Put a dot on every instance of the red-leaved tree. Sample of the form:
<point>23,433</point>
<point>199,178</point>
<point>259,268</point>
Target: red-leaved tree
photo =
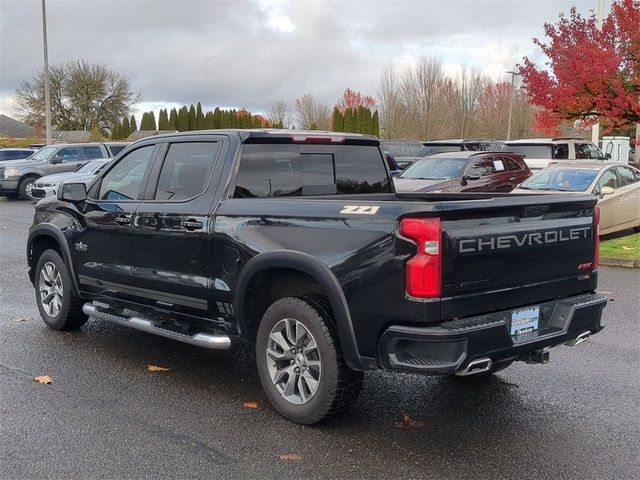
<point>592,75</point>
<point>353,99</point>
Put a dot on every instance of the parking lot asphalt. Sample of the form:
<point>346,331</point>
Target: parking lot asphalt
<point>106,416</point>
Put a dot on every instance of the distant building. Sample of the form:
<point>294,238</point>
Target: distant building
<point>12,128</point>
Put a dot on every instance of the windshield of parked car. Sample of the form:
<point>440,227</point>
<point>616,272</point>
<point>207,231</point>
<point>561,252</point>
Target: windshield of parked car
<point>561,179</point>
<point>531,151</point>
<point>433,149</point>
<point>91,167</point>
<point>43,154</point>
<point>435,168</point>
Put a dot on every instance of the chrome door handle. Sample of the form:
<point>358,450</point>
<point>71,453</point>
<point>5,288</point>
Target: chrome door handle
<point>192,224</point>
<point>123,220</point>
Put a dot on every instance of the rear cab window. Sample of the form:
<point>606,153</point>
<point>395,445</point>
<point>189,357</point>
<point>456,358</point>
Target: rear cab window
<point>541,151</point>
<point>280,170</point>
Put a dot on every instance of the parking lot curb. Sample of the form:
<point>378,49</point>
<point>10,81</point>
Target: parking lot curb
<point>619,262</point>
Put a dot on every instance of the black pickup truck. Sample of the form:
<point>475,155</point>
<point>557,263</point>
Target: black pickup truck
<point>296,242</point>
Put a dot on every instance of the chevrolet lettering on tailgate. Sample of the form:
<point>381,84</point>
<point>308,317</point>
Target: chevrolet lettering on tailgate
<point>528,239</point>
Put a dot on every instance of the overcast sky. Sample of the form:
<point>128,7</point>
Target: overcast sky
<point>246,53</point>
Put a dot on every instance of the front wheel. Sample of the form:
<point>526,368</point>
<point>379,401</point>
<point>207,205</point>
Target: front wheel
<point>25,187</point>
<point>59,307</point>
<point>300,362</point>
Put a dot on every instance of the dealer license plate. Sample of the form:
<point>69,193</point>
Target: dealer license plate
<point>525,320</point>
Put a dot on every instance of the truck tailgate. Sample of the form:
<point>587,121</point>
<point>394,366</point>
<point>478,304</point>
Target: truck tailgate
<point>513,256</point>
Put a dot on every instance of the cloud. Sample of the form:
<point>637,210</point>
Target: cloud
<point>246,53</point>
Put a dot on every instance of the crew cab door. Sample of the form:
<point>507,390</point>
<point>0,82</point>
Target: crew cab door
<point>103,252</point>
<point>67,159</point>
<point>171,231</point>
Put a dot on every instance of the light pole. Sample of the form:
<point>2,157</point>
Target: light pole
<point>513,89</point>
<point>47,101</point>
<point>595,128</point>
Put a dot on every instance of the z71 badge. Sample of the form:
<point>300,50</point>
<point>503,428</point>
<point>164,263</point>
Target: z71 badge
<point>360,209</point>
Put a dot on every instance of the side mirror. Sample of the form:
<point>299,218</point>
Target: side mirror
<point>472,176</point>
<point>72,192</point>
<point>607,191</point>
<point>56,160</point>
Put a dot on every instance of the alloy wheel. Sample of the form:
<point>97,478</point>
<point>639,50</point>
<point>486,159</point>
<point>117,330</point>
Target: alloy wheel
<point>293,361</point>
<point>51,289</point>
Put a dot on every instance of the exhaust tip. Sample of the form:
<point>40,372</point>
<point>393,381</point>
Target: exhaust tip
<point>583,337</point>
<point>480,365</point>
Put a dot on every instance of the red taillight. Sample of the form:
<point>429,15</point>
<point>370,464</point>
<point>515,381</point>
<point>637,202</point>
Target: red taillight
<point>596,241</point>
<point>423,271</point>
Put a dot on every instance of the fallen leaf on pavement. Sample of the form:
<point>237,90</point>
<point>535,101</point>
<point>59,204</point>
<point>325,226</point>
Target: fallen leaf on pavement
<point>408,423</point>
<point>155,368</point>
<point>45,379</point>
<point>253,405</point>
<point>290,457</point>
<point>21,319</point>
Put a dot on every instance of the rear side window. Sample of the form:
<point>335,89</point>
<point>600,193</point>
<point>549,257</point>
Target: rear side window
<point>277,170</point>
<point>627,176</point>
<point>561,151</point>
<point>92,152</point>
<point>186,170</point>
<point>512,164</point>
<point>532,151</point>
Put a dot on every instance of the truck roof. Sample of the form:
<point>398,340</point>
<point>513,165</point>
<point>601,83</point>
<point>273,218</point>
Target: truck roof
<point>296,136</point>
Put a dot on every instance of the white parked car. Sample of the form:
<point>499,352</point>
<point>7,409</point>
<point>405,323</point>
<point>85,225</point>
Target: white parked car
<point>539,153</point>
<point>47,186</point>
<point>616,186</point>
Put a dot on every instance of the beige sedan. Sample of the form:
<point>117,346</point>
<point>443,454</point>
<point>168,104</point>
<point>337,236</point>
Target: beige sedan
<point>617,187</point>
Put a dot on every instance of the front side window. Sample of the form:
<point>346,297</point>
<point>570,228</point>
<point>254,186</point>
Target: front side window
<point>608,179</point>
<point>186,170</point>
<point>479,167</point>
<point>43,154</point>
<point>277,170</point>
<point>124,180</point>
<point>68,154</point>
<point>594,152</point>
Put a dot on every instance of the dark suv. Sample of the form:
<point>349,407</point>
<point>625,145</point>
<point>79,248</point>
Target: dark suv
<point>464,172</point>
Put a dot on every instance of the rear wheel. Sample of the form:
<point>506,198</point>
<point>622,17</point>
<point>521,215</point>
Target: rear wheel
<point>59,307</point>
<point>300,362</point>
<point>25,187</point>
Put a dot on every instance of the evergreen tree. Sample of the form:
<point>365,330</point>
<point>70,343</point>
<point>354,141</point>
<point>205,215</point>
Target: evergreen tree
<point>133,126</point>
<point>337,120</point>
<point>360,119</point>
<point>209,121</point>
<point>116,132</point>
<point>217,118</point>
<point>183,119</point>
<point>144,121</point>
<point>173,119</point>
<point>163,120</point>
<point>375,124</point>
<point>125,130</point>
<point>192,117</point>
<point>366,120</point>
<point>199,117</point>
<point>348,120</point>
<point>152,121</point>
<point>313,126</point>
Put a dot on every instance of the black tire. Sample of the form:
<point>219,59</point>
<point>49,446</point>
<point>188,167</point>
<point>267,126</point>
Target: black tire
<point>338,386</point>
<point>636,229</point>
<point>23,187</point>
<point>69,315</point>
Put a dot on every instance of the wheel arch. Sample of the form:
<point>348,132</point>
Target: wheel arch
<point>305,265</point>
<point>46,236</point>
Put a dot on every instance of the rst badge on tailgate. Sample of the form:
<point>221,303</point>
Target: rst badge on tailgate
<point>360,209</point>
